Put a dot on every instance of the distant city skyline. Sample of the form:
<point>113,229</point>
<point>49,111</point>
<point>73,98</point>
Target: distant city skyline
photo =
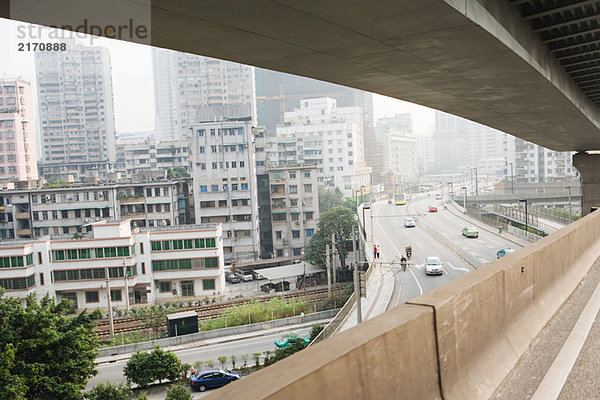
<point>133,83</point>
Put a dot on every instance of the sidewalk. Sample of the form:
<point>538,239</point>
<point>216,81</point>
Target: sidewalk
<point>563,362</point>
<point>380,288</point>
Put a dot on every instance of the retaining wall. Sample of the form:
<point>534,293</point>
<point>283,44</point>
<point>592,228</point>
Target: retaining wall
<point>460,340</point>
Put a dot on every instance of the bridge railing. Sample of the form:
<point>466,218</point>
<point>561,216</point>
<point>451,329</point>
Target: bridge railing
<point>458,341</point>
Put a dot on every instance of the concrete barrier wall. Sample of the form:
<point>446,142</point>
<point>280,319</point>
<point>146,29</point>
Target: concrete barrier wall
<point>235,330</point>
<point>487,319</point>
<point>392,356</point>
<point>472,331</point>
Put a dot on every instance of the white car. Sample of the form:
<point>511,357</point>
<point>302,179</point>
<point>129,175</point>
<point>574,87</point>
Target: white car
<point>245,275</point>
<point>409,223</point>
<point>438,196</point>
<point>433,266</point>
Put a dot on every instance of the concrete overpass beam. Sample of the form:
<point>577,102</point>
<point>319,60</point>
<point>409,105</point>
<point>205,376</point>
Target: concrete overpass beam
<point>588,166</point>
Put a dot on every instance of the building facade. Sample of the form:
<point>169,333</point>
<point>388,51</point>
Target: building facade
<point>140,266</point>
<point>294,208</point>
<point>330,137</point>
<point>76,109</point>
<point>18,136</point>
<point>224,176</point>
<point>534,163</point>
<point>72,210</point>
<point>190,89</point>
<point>151,157</point>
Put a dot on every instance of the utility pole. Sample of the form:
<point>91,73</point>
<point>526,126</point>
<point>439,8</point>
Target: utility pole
<point>356,279</point>
<point>333,252</point>
<point>327,262</point>
<point>512,178</point>
<point>126,278</point>
<point>371,198</point>
<point>110,315</point>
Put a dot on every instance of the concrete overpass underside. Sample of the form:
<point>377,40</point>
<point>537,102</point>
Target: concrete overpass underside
<point>512,65</point>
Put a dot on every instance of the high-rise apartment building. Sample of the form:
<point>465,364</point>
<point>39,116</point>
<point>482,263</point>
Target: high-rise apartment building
<point>278,92</point>
<point>534,163</point>
<point>76,105</point>
<point>330,137</point>
<point>224,176</point>
<point>191,89</point>
<point>18,153</point>
<point>397,147</point>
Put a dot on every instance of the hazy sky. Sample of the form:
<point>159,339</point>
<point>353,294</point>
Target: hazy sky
<point>133,88</point>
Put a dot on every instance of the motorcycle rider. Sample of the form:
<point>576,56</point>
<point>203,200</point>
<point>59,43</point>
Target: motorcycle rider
<point>403,262</point>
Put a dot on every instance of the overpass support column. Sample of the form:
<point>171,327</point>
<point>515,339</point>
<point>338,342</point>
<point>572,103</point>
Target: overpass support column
<point>588,166</point>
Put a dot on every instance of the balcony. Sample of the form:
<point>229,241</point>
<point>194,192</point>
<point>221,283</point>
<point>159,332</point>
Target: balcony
<point>22,215</point>
<point>24,232</point>
<point>132,200</point>
<point>133,215</point>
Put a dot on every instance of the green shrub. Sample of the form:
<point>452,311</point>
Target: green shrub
<point>178,392</point>
<point>315,330</point>
<point>145,368</point>
<point>109,391</point>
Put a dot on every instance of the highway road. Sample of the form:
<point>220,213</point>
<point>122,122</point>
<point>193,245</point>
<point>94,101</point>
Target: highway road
<point>393,237</point>
<point>113,372</point>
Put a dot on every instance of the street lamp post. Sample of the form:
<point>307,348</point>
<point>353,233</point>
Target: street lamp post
<point>512,178</point>
<point>476,183</point>
<point>526,218</point>
<point>451,190</point>
<point>570,212</point>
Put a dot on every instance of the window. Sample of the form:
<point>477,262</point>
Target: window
<point>201,132</point>
<point>214,188</point>
<point>203,188</point>
<point>29,259</point>
<point>177,244</point>
<point>293,189</point>
<point>244,186</point>
<point>164,287</point>
<point>310,232</point>
<point>41,279</point>
<point>308,188</point>
<point>187,288</point>
<point>233,164</point>
<point>143,268</point>
<point>277,234</point>
<point>201,149</point>
<point>92,297</point>
<point>214,165</point>
<point>308,215</point>
<point>39,257</point>
<point>208,284</point>
<point>115,295</point>
<point>307,174</point>
<point>141,248</point>
<point>213,149</point>
<point>295,234</point>
<point>242,165</point>
<point>292,174</point>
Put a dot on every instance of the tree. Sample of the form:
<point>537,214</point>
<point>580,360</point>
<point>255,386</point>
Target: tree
<point>329,199</point>
<point>109,391</point>
<point>222,360</point>
<point>145,368</point>
<point>178,392</point>
<point>339,221</point>
<point>44,353</point>
<point>177,172</point>
<point>315,330</point>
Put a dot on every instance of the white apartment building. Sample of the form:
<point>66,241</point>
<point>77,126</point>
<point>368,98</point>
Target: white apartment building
<point>72,210</point>
<point>225,191</point>
<point>331,137</point>
<point>18,153</point>
<point>143,266</point>
<point>190,89</point>
<point>294,208</point>
<point>398,147</point>
<point>76,110</point>
<point>151,156</point>
<point>534,163</point>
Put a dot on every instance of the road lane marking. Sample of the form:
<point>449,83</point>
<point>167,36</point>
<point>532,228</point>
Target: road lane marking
<point>457,268</point>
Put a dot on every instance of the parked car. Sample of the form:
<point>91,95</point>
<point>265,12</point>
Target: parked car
<point>409,222</point>
<point>278,287</point>
<point>257,276</point>
<point>232,278</point>
<point>470,231</point>
<point>433,209</point>
<point>433,266</point>
<point>212,378</point>
<point>503,252</point>
<point>245,275</point>
<point>288,340</point>
<point>438,196</point>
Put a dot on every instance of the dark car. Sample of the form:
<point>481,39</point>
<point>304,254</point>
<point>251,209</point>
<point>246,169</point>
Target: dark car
<point>212,378</point>
<point>232,278</point>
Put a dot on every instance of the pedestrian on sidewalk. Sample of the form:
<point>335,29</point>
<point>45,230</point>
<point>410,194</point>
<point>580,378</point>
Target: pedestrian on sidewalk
<point>377,251</point>
<point>374,251</point>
